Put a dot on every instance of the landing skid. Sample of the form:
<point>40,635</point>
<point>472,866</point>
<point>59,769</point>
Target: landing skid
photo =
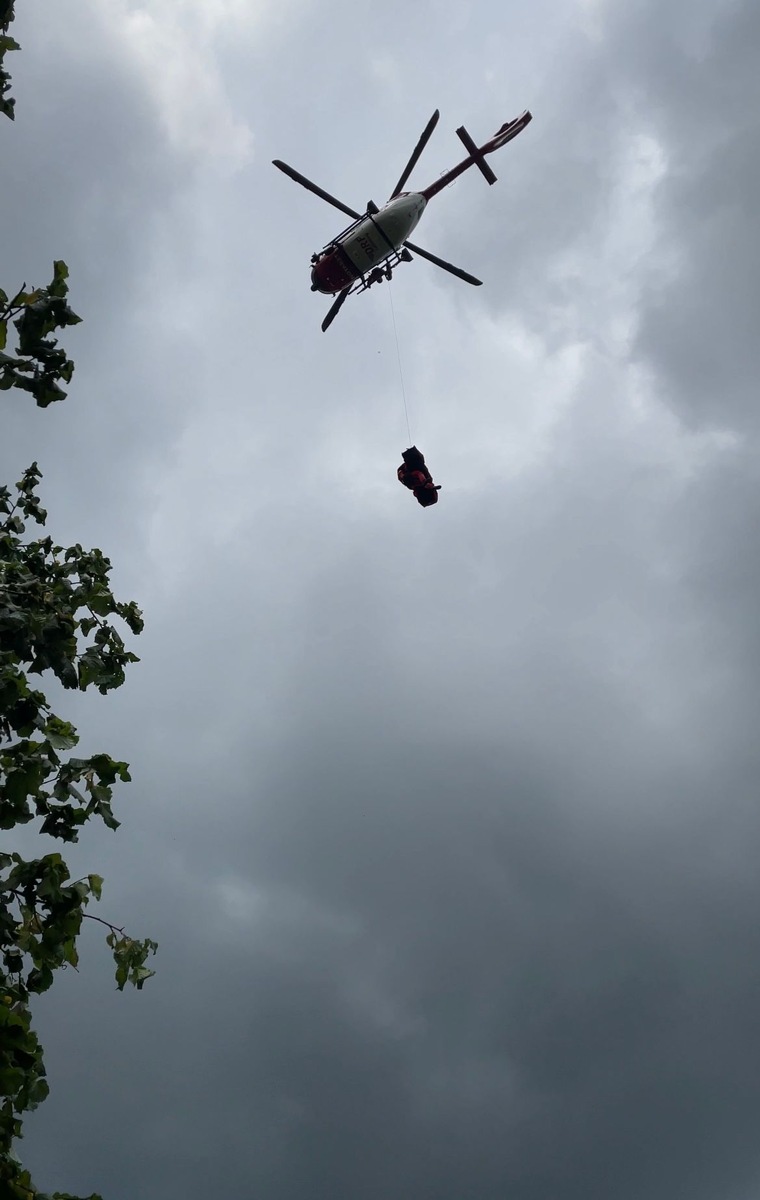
<point>381,272</point>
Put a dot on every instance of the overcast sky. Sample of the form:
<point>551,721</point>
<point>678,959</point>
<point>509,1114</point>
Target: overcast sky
<point>446,821</point>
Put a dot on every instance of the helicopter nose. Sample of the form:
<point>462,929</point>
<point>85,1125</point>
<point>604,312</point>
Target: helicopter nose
<point>329,274</point>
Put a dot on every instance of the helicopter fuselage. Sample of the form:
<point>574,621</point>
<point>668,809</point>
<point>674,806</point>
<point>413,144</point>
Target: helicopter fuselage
<point>366,243</point>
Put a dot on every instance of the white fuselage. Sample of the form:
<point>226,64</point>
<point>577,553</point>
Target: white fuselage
<point>376,236</point>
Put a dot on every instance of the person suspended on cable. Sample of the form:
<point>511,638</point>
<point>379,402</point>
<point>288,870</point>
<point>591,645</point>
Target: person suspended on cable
<point>414,474</point>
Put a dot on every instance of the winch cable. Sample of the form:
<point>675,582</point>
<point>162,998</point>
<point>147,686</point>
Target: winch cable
<point>400,369</point>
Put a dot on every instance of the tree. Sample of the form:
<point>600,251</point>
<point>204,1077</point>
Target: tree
<point>6,43</point>
<point>38,364</point>
<point>57,615</point>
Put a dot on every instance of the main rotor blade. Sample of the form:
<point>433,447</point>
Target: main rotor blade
<point>439,262</point>
<point>332,314</point>
<point>312,187</point>
<point>422,143</point>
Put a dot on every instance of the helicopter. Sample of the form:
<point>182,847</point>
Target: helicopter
<point>366,251</point>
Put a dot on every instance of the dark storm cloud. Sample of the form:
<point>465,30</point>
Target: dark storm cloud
<point>698,329</point>
<point>452,982</point>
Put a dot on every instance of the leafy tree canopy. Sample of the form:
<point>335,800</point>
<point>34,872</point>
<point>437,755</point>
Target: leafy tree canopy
<point>37,364</point>
<point>58,616</point>
<point>6,43</point>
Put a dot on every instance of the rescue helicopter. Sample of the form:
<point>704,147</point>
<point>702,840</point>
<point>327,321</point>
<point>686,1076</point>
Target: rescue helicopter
<point>366,251</point>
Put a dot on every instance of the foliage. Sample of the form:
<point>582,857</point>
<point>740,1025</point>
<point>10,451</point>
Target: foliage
<point>38,364</point>
<point>56,607</point>
<point>6,43</point>
<point>56,615</point>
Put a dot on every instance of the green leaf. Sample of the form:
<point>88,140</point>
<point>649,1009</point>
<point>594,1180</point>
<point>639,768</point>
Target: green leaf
<point>96,885</point>
<point>46,392</point>
<point>22,299</point>
<point>104,810</point>
<point>68,675</point>
<point>7,106</point>
<point>60,274</point>
<point>61,734</point>
<point>40,979</point>
<point>11,1079</point>
<point>3,334</point>
<point>38,1093</point>
<point>70,953</point>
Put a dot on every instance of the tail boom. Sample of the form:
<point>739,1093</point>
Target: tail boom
<point>477,154</point>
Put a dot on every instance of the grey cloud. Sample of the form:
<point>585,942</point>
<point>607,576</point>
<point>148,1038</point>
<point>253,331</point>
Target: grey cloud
<point>554,1014</point>
<point>698,330</point>
<point>445,826</point>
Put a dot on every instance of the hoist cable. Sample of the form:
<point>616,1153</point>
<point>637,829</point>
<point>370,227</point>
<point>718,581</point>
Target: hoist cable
<point>400,370</point>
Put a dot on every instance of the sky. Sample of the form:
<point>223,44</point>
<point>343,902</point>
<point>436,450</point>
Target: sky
<point>445,820</point>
